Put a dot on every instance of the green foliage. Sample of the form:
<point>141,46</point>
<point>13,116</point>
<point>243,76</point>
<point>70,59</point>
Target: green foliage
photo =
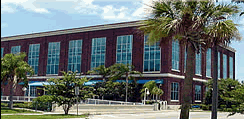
<point>153,89</point>
<point>43,102</point>
<point>63,90</point>
<point>231,95</point>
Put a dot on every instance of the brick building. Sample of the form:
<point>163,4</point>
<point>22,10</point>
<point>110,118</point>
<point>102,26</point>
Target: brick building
<point>81,49</point>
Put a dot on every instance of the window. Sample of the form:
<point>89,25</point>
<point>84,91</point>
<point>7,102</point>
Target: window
<point>175,54</point>
<point>124,49</point>
<point>15,49</point>
<point>231,67</point>
<point>174,91</point>
<point>98,52</point>
<point>33,56</point>
<point>224,66</point>
<point>2,49</point>
<point>75,51</point>
<point>151,56</point>
<point>53,57</point>
<point>185,60</point>
<point>218,65</point>
<point>32,91</point>
<point>208,62</point>
<point>198,63</point>
<point>197,92</point>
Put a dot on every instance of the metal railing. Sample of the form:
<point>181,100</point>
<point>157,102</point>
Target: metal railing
<point>18,98</point>
<point>109,102</point>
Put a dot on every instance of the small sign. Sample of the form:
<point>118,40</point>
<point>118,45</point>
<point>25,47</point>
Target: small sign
<point>77,90</point>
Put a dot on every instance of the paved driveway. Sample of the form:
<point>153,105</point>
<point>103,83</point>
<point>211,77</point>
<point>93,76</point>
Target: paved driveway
<point>165,115</point>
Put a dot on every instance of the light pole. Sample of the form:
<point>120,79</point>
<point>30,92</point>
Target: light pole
<point>146,92</point>
<point>24,89</point>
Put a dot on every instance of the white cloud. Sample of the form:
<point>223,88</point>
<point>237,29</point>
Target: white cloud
<point>144,10</point>
<point>111,13</point>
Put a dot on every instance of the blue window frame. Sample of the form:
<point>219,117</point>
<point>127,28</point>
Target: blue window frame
<point>231,67</point>
<point>224,66</point>
<point>152,56</point>
<point>53,57</point>
<point>175,54</point>
<point>124,49</point>
<point>98,52</point>
<point>218,65</point>
<point>208,62</point>
<point>33,57</point>
<point>2,49</point>
<point>198,92</point>
<point>198,69</point>
<point>174,91</point>
<point>75,51</point>
<point>15,49</point>
<point>32,91</point>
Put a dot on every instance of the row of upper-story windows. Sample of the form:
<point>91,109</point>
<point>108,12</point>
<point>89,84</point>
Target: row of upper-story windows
<point>198,63</point>
<point>151,63</point>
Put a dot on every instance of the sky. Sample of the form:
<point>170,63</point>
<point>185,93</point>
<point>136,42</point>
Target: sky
<point>20,17</point>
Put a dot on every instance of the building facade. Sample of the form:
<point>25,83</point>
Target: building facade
<point>82,49</point>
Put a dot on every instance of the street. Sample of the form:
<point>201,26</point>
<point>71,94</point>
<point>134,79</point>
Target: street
<point>165,115</point>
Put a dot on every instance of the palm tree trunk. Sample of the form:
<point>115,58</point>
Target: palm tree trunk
<point>187,88</point>
<point>11,96</point>
<point>215,85</point>
<point>126,88</point>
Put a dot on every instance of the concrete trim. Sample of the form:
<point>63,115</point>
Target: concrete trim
<point>134,75</point>
<point>74,30</point>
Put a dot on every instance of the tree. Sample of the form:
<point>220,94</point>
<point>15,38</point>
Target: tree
<point>153,89</point>
<point>13,70</point>
<point>105,72</point>
<point>63,90</point>
<point>197,25</point>
<point>121,69</point>
<point>231,95</point>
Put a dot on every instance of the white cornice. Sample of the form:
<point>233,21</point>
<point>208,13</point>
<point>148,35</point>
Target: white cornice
<point>74,30</point>
<point>134,75</point>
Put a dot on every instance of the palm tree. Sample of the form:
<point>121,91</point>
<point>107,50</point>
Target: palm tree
<point>105,72</point>
<point>13,70</point>
<point>197,24</point>
<point>153,89</point>
<point>122,69</point>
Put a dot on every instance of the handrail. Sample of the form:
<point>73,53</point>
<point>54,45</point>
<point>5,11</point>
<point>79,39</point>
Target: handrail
<point>18,98</point>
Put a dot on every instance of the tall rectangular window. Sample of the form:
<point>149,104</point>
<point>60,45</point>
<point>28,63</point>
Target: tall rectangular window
<point>53,57</point>
<point>174,91</point>
<point>33,56</point>
<point>75,51</point>
<point>231,67</point>
<point>224,66</point>
<point>15,49</point>
<point>218,65</point>
<point>2,49</point>
<point>124,49</point>
<point>32,91</point>
<point>197,92</point>
<point>198,63</point>
<point>208,62</point>
<point>151,56</point>
<point>185,59</point>
<point>98,52</point>
<point>175,54</point>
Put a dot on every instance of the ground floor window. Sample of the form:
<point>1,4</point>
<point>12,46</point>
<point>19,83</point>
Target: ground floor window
<point>197,92</point>
<point>174,91</point>
<point>32,91</point>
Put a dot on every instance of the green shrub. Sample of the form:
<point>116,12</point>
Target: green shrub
<point>4,104</point>
<point>43,103</point>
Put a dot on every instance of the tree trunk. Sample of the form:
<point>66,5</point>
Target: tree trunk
<point>126,88</point>
<point>187,88</point>
<point>215,85</point>
<point>11,96</point>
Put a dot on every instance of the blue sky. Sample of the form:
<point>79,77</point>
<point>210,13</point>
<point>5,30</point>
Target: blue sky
<point>32,16</point>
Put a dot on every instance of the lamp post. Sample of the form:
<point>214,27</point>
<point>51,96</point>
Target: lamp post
<point>146,92</point>
<point>24,89</point>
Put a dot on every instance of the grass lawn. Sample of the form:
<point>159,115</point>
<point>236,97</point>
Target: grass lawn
<point>6,110</point>
<point>53,116</point>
